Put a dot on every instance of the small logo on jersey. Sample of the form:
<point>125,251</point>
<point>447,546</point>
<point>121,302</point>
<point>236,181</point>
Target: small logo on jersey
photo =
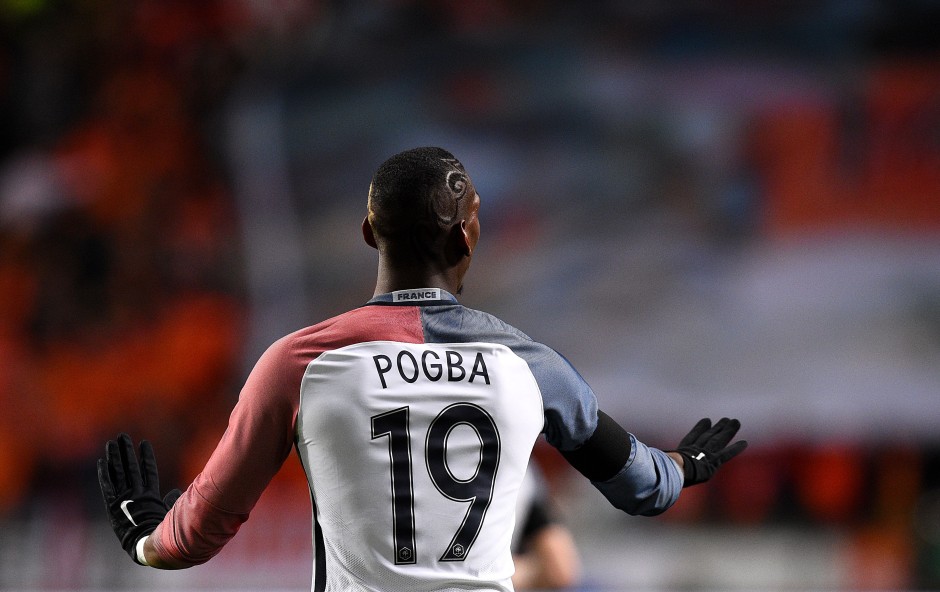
<point>458,550</point>
<point>127,512</point>
<point>404,553</point>
<point>416,295</point>
<point>699,456</point>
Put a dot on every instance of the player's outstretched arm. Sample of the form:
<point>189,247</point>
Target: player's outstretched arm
<point>640,479</point>
<point>706,447</point>
<point>634,477</point>
<point>131,492</point>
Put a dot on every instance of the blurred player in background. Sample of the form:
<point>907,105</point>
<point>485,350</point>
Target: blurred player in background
<point>543,549</point>
<point>414,419</point>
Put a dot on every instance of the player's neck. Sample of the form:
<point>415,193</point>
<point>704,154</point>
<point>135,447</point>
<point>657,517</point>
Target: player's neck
<point>391,279</point>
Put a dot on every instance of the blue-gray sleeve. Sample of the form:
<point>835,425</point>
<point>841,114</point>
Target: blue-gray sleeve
<point>647,485</point>
<point>569,404</point>
<point>649,481</point>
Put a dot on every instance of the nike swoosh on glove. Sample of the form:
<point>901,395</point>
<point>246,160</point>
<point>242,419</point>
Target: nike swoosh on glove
<point>131,491</point>
<point>705,448</point>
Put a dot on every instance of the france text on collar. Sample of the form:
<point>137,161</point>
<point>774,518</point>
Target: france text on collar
<point>416,295</point>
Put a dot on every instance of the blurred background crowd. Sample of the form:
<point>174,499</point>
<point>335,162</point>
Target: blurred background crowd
<point>722,209</point>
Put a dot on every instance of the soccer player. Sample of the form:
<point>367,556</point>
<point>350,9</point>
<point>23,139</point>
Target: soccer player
<point>544,552</point>
<point>413,416</point>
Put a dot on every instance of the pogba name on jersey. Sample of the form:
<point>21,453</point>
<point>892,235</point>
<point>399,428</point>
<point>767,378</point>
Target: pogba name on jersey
<point>430,365</point>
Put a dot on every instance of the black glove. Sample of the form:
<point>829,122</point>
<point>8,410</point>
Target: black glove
<point>705,448</point>
<point>132,492</point>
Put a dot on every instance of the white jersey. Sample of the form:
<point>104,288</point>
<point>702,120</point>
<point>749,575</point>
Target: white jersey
<point>414,418</point>
<point>432,442</point>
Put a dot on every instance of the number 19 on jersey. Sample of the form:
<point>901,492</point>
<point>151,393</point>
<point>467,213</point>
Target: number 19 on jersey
<point>477,489</point>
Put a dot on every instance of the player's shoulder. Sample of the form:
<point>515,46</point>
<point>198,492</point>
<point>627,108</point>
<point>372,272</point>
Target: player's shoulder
<point>362,324</point>
<point>498,323</point>
<point>308,332</point>
<point>542,358</point>
<point>456,323</point>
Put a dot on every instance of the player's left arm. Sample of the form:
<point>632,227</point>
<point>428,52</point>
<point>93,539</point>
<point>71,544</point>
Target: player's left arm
<point>207,515</point>
<point>259,437</point>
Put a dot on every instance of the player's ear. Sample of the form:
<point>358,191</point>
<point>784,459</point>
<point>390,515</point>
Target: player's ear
<point>367,233</point>
<point>459,244</point>
<point>466,243</point>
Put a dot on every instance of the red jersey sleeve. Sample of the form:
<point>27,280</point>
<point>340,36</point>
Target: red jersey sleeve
<point>259,436</point>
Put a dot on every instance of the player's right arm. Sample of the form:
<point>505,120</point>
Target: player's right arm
<point>640,479</point>
<point>634,477</point>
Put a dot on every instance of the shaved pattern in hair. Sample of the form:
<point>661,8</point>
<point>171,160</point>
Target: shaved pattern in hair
<point>458,183</point>
<point>415,196</point>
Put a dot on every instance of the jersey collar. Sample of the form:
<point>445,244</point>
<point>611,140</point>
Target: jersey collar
<point>416,297</point>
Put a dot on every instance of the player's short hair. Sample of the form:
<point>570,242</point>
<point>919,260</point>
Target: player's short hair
<point>415,197</point>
